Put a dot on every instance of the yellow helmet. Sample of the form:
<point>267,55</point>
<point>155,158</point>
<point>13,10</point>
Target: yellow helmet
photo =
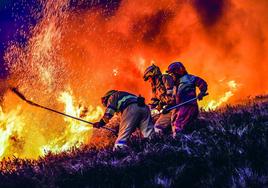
<point>151,71</point>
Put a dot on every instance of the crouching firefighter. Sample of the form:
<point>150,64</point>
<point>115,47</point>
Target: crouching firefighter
<point>184,90</point>
<point>162,88</point>
<point>134,114</point>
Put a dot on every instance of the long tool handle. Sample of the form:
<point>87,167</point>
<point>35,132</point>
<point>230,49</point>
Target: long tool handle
<point>176,106</point>
<point>183,103</point>
<point>179,105</point>
<point>20,95</point>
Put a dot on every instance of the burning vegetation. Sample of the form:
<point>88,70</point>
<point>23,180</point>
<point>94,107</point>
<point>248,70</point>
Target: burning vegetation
<point>79,49</point>
<point>228,150</point>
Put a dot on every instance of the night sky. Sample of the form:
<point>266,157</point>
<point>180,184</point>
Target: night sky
<point>15,16</point>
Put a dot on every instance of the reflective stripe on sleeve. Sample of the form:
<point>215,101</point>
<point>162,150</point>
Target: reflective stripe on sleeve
<point>124,99</point>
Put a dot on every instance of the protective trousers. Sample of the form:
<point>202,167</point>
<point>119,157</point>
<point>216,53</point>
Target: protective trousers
<point>163,123</point>
<point>183,117</point>
<point>134,117</point>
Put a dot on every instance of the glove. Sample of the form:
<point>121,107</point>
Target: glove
<point>96,125</point>
<point>99,124</point>
<point>200,96</point>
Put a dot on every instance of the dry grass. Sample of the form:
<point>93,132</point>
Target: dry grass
<point>228,149</point>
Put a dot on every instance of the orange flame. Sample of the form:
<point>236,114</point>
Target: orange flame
<point>213,104</point>
<point>76,132</point>
<point>80,54</point>
<point>19,137</point>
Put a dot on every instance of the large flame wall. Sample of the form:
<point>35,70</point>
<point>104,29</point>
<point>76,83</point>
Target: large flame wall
<point>84,48</point>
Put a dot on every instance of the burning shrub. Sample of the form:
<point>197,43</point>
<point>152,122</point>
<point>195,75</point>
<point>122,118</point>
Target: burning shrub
<point>230,150</point>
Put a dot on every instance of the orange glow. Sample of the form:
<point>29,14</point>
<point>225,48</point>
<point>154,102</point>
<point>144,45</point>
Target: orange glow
<point>213,104</point>
<point>76,133</point>
<point>27,132</point>
<point>74,56</point>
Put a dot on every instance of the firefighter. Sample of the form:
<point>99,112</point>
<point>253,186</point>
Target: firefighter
<point>162,88</point>
<point>185,89</point>
<point>134,114</point>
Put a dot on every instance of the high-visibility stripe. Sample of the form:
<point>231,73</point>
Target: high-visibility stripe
<point>124,99</point>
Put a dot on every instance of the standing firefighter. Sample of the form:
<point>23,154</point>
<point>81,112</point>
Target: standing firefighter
<point>184,90</point>
<point>162,88</point>
<point>134,114</point>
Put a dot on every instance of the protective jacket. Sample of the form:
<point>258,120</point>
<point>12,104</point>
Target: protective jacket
<point>185,88</point>
<point>134,114</point>
<point>118,102</point>
<point>162,88</point>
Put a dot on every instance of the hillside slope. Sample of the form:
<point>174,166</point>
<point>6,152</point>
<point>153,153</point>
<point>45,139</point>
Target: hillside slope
<point>230,148</point>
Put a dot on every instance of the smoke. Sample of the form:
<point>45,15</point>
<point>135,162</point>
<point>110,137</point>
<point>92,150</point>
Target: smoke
<point>81,44</point>
<point>85,48</point>
<point>210,11</point>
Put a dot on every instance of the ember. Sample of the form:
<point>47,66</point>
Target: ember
<point>73,55</point>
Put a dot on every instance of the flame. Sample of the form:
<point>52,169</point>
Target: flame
<point>13,130</point>
<point>11,126</point>
<point>76,52</point>
<point>76,132</point>
<point>214,104</point>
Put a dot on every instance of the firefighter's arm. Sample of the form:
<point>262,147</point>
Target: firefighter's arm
<point>109,113</point>
<point>202,85</point>
<point>169,84</point>
<point>99,124</point>
<point>167,97</point>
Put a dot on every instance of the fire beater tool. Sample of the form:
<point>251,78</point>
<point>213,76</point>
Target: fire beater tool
<point>20,95</point>
<point>166,110</point>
